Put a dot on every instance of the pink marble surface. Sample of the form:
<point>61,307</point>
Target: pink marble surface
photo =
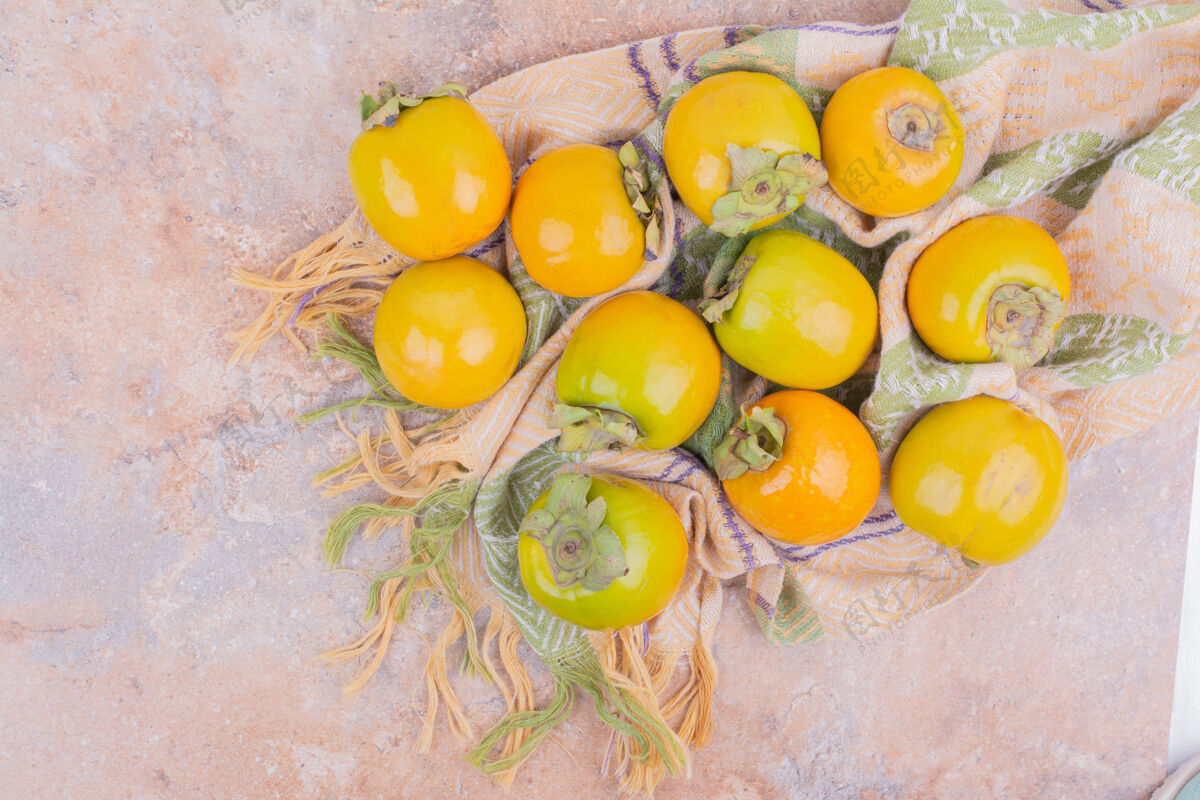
<point>162,595</point>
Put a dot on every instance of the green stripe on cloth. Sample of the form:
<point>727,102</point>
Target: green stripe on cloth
<point>944,39</point>
<point>1170,154</point>
<point>1042,166</point>
<point>910,377</point>
<point>794,619</point>
<point>1091,349</point>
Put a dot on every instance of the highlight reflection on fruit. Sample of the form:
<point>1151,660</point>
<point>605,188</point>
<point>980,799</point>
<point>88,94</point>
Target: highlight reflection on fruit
<point>993,288</point>
<point>893,144</point>
<point>601,552</point>
<point>980,476</point>
<point>429,174</point>
<point>640,370</point>
<point>795,311</point>
<point>449,333</point>
<point>800,468</point>
<point>574,224</point>
<point>742,150</point>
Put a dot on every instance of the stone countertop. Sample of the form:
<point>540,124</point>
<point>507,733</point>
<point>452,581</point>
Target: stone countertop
<point>162,594</point>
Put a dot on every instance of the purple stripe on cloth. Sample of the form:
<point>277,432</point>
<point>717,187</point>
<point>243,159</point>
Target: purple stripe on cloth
<point>891,514</point>
<point>1092,6</point>
<point>692,469</point>
<point>1117,4</point>
<point>693,466</point>
<point>767,608</point>
<point>612,739</point>
<point>731,35</point>
<point>676,278</point>
<point>667,45</point>
<point>650,153</point>
<point>739,537</point>
<point>490,243</point>
<point>816,26</point>
<point>676,269</point>
<point>726,510</point>
<point>305,300</point>
<point>862,537</point>
<point>675,462</point>
<point>689,72</point>
<point>635,63</point>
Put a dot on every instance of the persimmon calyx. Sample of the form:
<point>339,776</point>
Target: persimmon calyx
<point>1021,322</point>
<point>914,127</point>
<point>589,428</point>
<point>754,444</point>
<point>640,191</point>
<point>762,184</point>
<point>384,108</point>
<point>716,307</point>
<point>580,548</point>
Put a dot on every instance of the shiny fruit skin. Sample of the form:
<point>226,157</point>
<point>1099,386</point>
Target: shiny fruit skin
<point>824,484</point>
<point>647,356</point>
<point>804,316</point>
<point>435,183</point>
<point>449,333</point>
<point>573,224</point>
<point>980,476</point>
<point>749,109</point>
<point>656,551</point>
<point>867,167</point>
<point>952,281</point>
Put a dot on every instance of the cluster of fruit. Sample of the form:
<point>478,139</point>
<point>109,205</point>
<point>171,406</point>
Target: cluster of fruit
<point>741,151</point>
